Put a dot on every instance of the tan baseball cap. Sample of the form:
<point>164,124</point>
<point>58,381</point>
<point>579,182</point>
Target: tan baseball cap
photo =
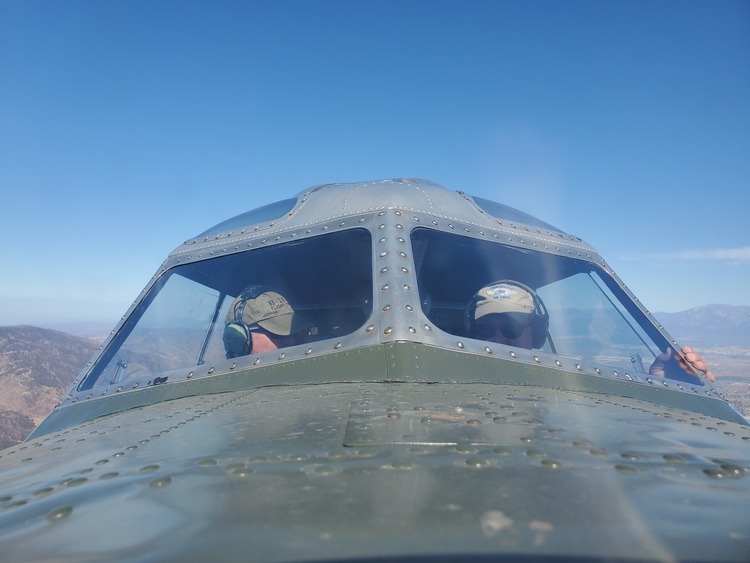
<point>503,298</point>
<point>272,312</point>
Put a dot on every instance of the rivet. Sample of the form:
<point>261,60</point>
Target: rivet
<point>512,354</point>
<point>308,351</point>
<point>191,374</point>
<point>476,462</point>
<point>386,287</point>
<point>650,380</point>
<point>551,463</point>
<point>381,226</point>
<point>386,308</point>
<point>388,330</point>
<point>211,369</point>
<point>60,513</point>
<point>597,370</point>
<point>733,470</point>
<point>401,240</point>
<point>233,366</point>
<point>558,363</point>
<point>460,345</point>
<point>370,328</point>
<point>537,360</point>
<point>337,345</point>
<point>402,254</point>
<point>382,240</point>
<point>488,350</point>
<point>409,308</point>
<point>406,287</point>
<point>384,270</point>
<point>405,270</point>
<point>626,469</point>
<point>383,254</point>
<point>401,465</point>
<point>412,330</point>
<point>282,355</point>
<point>428,328</point>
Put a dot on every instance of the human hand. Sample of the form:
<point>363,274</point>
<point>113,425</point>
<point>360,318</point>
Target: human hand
<point>667,361</point>
<point>695,360</point>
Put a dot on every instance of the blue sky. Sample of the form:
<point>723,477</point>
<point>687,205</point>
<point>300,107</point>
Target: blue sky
<point>127,127</point>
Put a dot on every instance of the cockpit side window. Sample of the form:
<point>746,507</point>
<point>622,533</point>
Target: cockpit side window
<point>181,321</point>
<point>525,298</point>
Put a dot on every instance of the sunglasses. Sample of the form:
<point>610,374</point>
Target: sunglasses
<point>509,325</point>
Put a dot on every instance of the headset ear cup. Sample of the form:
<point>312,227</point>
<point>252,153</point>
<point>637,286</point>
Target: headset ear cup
<point>237,341</point>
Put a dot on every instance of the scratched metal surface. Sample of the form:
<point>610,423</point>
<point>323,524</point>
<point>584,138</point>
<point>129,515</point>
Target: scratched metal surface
<point>377,470</point>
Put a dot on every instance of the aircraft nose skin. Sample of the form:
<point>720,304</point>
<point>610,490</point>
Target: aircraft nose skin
<point>358,470</point>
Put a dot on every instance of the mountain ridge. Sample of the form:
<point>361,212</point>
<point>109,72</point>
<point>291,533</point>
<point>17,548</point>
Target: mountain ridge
<point>710,325</point>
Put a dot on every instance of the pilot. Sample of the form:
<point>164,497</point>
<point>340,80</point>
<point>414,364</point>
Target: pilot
<point>261,320</point>
<point>509,312</point>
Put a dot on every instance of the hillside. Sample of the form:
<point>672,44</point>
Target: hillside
<point>36,367</point>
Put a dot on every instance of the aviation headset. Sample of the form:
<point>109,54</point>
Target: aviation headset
<point>539,321</point>
<point>237,339</point>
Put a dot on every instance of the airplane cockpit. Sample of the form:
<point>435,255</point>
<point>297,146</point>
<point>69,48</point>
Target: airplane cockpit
<point>383,371</point>
<point>382,263</point>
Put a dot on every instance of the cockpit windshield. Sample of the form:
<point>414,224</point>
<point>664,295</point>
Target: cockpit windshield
<point>531,299</point>
<point>185,318</point>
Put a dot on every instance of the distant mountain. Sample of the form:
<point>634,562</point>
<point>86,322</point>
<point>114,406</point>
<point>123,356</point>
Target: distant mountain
<point>90,331</point>
<point>709,325</point>
<point>36,367</point>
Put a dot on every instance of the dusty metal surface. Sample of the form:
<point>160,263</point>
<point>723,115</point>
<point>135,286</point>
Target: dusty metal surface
<point>375,470</point>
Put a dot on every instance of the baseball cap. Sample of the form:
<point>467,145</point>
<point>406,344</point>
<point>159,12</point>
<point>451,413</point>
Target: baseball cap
<point>503,297</point>
<point>272,312</point>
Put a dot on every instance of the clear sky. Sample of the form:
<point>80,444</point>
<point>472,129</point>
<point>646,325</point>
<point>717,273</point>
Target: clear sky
<point>128,126</point>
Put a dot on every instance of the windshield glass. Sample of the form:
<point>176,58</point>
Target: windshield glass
<point>529,299</point>
<point>272,297</point>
